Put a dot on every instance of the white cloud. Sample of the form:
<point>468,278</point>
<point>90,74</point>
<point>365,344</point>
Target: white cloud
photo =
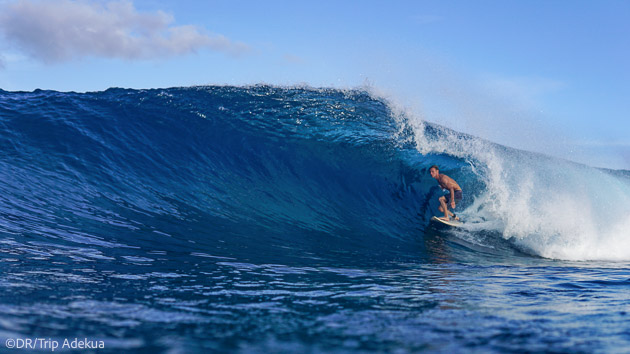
<point>62,30</point>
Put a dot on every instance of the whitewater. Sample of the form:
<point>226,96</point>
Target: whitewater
<point>292,219</point>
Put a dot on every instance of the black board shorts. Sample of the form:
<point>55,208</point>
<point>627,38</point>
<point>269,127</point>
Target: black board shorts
<point>459,195</point>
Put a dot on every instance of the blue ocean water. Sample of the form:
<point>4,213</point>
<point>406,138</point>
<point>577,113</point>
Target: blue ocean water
<point>269,219</point>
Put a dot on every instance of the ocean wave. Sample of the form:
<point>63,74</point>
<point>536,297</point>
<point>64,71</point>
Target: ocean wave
<point>254,170</point>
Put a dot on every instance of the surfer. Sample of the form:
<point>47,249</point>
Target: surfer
<point>455,193</point>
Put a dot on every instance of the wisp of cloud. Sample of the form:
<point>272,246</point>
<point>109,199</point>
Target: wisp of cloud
<point>62,30</point>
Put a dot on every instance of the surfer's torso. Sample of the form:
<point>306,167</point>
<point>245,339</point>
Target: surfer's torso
<point>447,182</point>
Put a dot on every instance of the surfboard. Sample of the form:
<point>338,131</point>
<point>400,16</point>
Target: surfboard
<point>451,222</point>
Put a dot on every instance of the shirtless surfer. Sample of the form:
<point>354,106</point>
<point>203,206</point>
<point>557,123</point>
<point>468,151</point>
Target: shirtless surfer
<point>455,193</point>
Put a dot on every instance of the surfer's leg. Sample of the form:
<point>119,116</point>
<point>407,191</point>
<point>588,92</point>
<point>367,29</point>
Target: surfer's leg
<point>458,198</point>
<point>450,213</point>
<point>444,208</point>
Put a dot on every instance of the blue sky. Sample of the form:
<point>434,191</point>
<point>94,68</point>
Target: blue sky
<point>547,76</point>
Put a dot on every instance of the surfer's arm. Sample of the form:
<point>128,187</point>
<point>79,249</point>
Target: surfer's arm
<point>452,196</point>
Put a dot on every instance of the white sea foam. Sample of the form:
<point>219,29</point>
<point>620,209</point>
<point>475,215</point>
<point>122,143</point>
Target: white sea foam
<point>551,207</point>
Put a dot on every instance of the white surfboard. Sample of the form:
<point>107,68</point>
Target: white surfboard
<point>451,222</point>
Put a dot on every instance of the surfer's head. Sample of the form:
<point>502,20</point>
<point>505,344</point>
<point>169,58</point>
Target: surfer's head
<point>434,171</point>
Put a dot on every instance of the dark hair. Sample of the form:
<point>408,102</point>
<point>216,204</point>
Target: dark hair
<point>434,166</point>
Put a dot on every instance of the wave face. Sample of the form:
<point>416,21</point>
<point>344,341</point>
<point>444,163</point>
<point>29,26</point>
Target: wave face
<point>254,172</point>
<point>265,219</point>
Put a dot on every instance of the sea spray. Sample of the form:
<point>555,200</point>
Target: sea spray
<point>548,206</point>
